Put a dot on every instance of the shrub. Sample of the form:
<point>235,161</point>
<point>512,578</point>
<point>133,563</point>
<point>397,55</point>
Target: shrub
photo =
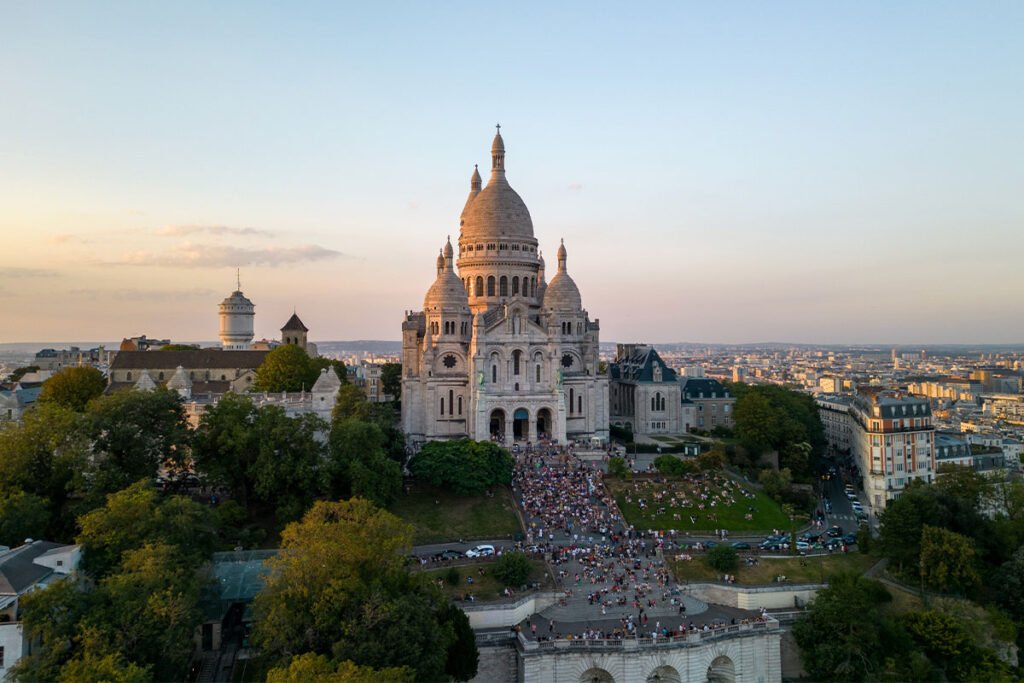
<point>617,468</point>
<point>512,569</point>
<point>723,558</point>
<point>452,576</point>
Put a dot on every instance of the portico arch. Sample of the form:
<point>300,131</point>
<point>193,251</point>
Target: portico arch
<point>520,424</point>
<point>722,670</point>
<point>664,674</point>
<point>544,423</point>
<point>498,423</point>
<point>596,675</point>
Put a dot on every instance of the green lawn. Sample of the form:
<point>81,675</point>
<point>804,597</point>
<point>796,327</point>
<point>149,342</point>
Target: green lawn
<point>439,516</point>
<point>796,569</point>
<point>485,586</point>
<point>765,516</point>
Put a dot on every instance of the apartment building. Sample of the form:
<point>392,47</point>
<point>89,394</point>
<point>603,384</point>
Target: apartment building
<point>893,443</point>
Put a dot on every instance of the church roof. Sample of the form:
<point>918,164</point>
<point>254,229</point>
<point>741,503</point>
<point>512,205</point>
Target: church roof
<point>497,211</point>
<point>639,366</point>
<point>562,294</point>
<point>294,324</point>
<point>199,359</point>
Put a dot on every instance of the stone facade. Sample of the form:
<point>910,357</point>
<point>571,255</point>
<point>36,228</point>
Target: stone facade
<point>645,394</point>
<point>741,653</point>
<point>712,403</point>
<point>497,352</point>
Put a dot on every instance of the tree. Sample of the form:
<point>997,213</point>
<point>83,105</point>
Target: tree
<point>73,387</point>
<point>775,483</point>
<point>512,569</point>
<point>723,558</point>
<point>110,668</point>
<point>22,515</point>
<point>224,445</point>
<point>465,466</point>
<point>1010,579</point>
<point>463,657</point>
<point>179,347</point>
<point>617,468</point>
<point>134,434</point>
<point>847,610</point>
<point>670,465</point>
<point>391,380</point>
<point>358,464</point>
<point>755,420</point>
<point>136,516</point>
<point>338,588</point>
<point>286,368</point>
<point>286,471</point>
<point>947,560</point>
<point>50,617</point>
<point>313,668</point>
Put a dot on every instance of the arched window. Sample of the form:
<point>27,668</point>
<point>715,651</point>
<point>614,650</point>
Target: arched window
<point>538,373</point>
<point>479,286</point>
<point>442,405</point>
<point>503,286</point>
<point>460,405</point>
<point>516,355</point>
<point>572,400</point>
<point>579,407</point>
<point>161,376</point>
<point>451,401</point>
<point>490,286</point>
<point>494,374</point>
<point>128,377</point>
<point>654,403</point>
<point>515,286</point>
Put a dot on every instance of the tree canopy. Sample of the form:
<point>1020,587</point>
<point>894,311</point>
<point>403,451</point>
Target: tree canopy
<point>289,368</point>
<point>391,379</point>
<point>73,387</point>
<point>772,417</point>
<point>338,589</point>
<point>465,467</point>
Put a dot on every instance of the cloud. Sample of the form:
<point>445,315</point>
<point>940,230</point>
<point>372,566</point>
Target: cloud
<point>15,273</point>
<point>182,230</point>
<point>65,238</point>
<point>219,256</point>
<point>122,294</point>
<point>575,187</point>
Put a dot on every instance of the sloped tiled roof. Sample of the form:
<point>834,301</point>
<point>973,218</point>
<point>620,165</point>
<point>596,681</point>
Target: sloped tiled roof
<point>703,387</point>
<point>200,359</point>
<point>18,572</point>
<point>294,324</point>
<point>639,366</point>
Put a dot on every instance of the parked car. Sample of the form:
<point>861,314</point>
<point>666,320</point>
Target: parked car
<point>803,545</point>
<point>708,545</point>
<point>480,551</point>
<point>450,555</point>
<point>741,545</point>
<point>835,531</point>
<point>850,539</point>
<point>833,544</point>
<point>809,537</point>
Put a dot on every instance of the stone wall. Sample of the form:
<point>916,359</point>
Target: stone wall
<point>769,597</point>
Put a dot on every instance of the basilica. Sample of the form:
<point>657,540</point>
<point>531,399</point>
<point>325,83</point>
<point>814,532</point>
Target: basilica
<point>497,351</point>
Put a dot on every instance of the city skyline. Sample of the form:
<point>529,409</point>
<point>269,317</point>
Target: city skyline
<point>800,174</point>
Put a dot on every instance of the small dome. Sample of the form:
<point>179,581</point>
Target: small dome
<point>498,145</point>
<point>447,292</point>
<point>562,294</point>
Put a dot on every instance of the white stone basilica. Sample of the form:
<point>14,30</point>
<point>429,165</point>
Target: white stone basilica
<point>497,352</point>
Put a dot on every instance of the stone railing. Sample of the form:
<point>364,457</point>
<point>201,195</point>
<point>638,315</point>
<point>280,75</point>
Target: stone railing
<point>689,639</point>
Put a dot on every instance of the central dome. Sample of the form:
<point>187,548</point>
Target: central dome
<point>496,211</point>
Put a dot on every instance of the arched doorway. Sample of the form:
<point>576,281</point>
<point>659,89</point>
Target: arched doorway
<point>664,674</point>
<point>498,423</point>
<point>722,670</point>
<point>520,424</point>
<point>543,424</point>
<point>596,675</point>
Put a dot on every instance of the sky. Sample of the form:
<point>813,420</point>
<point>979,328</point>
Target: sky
<point>721,172</point>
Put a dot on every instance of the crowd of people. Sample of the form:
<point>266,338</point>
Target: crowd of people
<point>693,498</point>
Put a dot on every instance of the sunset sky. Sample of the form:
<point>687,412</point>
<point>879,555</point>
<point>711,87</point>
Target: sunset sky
<point>720,172</point>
